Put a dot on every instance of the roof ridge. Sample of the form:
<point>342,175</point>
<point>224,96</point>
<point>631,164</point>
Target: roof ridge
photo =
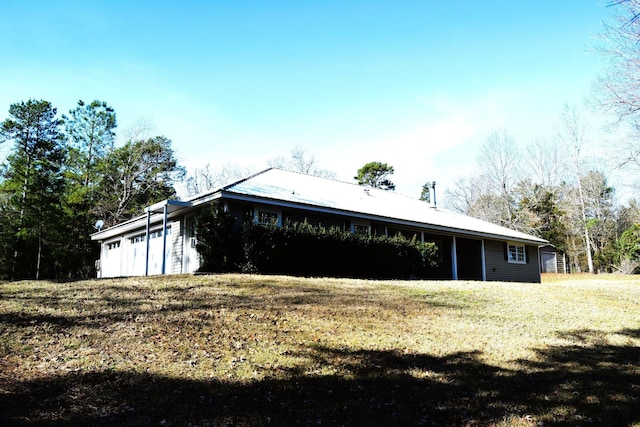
<point>240,181</point>
<point>340,181</point>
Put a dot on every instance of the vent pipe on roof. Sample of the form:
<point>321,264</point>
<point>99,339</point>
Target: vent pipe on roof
<point>432,194</point>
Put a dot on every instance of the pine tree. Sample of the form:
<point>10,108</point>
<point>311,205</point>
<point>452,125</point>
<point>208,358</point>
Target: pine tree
<point>32,187</point>
<point>89,130</point>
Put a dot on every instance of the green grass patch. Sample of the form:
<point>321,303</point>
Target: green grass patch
<point>270,350</point>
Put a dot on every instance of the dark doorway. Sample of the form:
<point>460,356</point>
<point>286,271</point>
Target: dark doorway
<point>444,270</point>
<point>469,257</point>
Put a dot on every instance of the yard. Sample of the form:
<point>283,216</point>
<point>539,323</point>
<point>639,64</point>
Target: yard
<point>265,350</point>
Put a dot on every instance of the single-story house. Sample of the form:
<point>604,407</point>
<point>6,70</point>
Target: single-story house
<point>163,240</point>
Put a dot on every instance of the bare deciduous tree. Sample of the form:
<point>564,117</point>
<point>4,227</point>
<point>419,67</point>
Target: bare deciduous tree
<point>545,161</point>
<point>572,133</point>
<point>301,162</point>
<point>208,178</point>
<point>619,86</point>
<point>500,158</point>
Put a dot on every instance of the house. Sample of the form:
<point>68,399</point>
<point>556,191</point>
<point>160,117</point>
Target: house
<point>163,241</point>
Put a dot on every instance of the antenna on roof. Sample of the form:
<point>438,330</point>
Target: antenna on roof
<point>99,224</point>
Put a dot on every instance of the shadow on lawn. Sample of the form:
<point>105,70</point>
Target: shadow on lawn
<point>568,385</point>
<point>108,304</point>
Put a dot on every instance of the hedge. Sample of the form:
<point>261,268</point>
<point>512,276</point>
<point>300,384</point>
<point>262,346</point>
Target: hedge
<point>303,249</point>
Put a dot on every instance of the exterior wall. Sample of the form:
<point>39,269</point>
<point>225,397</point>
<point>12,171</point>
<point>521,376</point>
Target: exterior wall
<point>190,257</point>
<point>546,254</point>
<point>129,259</point>
<point>111,258</point>
<point>181,256</point>
<point>499,269</point>
<point>174,264</point>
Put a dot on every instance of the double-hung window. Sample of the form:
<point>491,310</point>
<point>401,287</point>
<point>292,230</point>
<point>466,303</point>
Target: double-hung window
<point>267,217</point>
<point>516,253</point>
<point>361,228</point>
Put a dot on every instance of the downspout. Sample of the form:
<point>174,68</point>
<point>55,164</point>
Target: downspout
<point>484,266</point>
<point>164,238</point>
<point>146,262</point>
<point>99,263</point>
<point>454,259</point>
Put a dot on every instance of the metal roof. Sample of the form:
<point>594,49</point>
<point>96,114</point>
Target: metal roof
<point>285,188</point>
<point>280,186</point>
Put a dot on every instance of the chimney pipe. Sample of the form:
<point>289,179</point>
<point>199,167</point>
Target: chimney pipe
<point>432,194</point>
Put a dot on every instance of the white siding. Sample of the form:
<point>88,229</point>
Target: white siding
<point>174,262</point>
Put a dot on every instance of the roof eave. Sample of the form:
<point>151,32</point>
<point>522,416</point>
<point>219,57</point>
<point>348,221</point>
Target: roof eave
<point>371,217</point>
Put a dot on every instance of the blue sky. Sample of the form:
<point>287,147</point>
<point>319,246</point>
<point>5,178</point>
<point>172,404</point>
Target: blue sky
<point>418,85</point>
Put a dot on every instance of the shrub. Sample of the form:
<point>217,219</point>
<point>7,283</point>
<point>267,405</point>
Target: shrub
<point>217,244</point>
<point>304,249</point>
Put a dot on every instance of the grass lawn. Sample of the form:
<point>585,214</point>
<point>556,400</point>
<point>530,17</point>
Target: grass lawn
<point>263,350</point>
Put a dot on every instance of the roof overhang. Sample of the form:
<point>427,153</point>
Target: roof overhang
<point>370,217</point>
<point>171,205</point>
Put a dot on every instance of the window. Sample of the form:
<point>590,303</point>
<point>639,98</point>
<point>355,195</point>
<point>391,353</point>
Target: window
<point>158,233</point>
<point>516,253</point>
<point>113,245</point>
<point>267,217</point>
<point>360,228</point>
<point>138,238</point>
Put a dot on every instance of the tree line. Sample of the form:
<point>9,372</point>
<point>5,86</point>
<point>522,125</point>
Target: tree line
<point>552,190</point>
<point>63,175</point>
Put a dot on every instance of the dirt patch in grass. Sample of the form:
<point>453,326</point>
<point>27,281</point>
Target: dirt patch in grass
<point>266,350</point>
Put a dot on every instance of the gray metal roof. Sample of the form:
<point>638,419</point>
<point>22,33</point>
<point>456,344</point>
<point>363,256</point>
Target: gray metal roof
<point>284,188</point>
<point>280,186</point>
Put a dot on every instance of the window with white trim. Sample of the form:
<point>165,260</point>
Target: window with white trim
<point>113,245</point>
<point>516,253</point>
<point>158,233</point>
<point>154,234</point>
<point>361,228</point>
<point>267,217</point>
<point>138,238</point>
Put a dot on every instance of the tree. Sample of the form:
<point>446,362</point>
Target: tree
<point>499,158</point>
<point>134,176</point>
<point>32,186</point>
<point>600,213</point>
<point>619,86</point>
<point>89,130</point>
<point>208,178</point>
<point>218,249</point>
<point>540,214</point>
<point>572,133</point>
<point>464,195</point>
<point>545,161</point>
<point>375,175</point>
<point>425,194</point>
<point>301,162</point>
<point>629,249</point>
<point>490,195</point>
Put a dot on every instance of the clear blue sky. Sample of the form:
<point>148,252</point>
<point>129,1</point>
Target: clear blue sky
<point>417,84</point>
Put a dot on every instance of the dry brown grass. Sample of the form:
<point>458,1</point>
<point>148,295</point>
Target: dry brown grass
<point>259,350</point>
